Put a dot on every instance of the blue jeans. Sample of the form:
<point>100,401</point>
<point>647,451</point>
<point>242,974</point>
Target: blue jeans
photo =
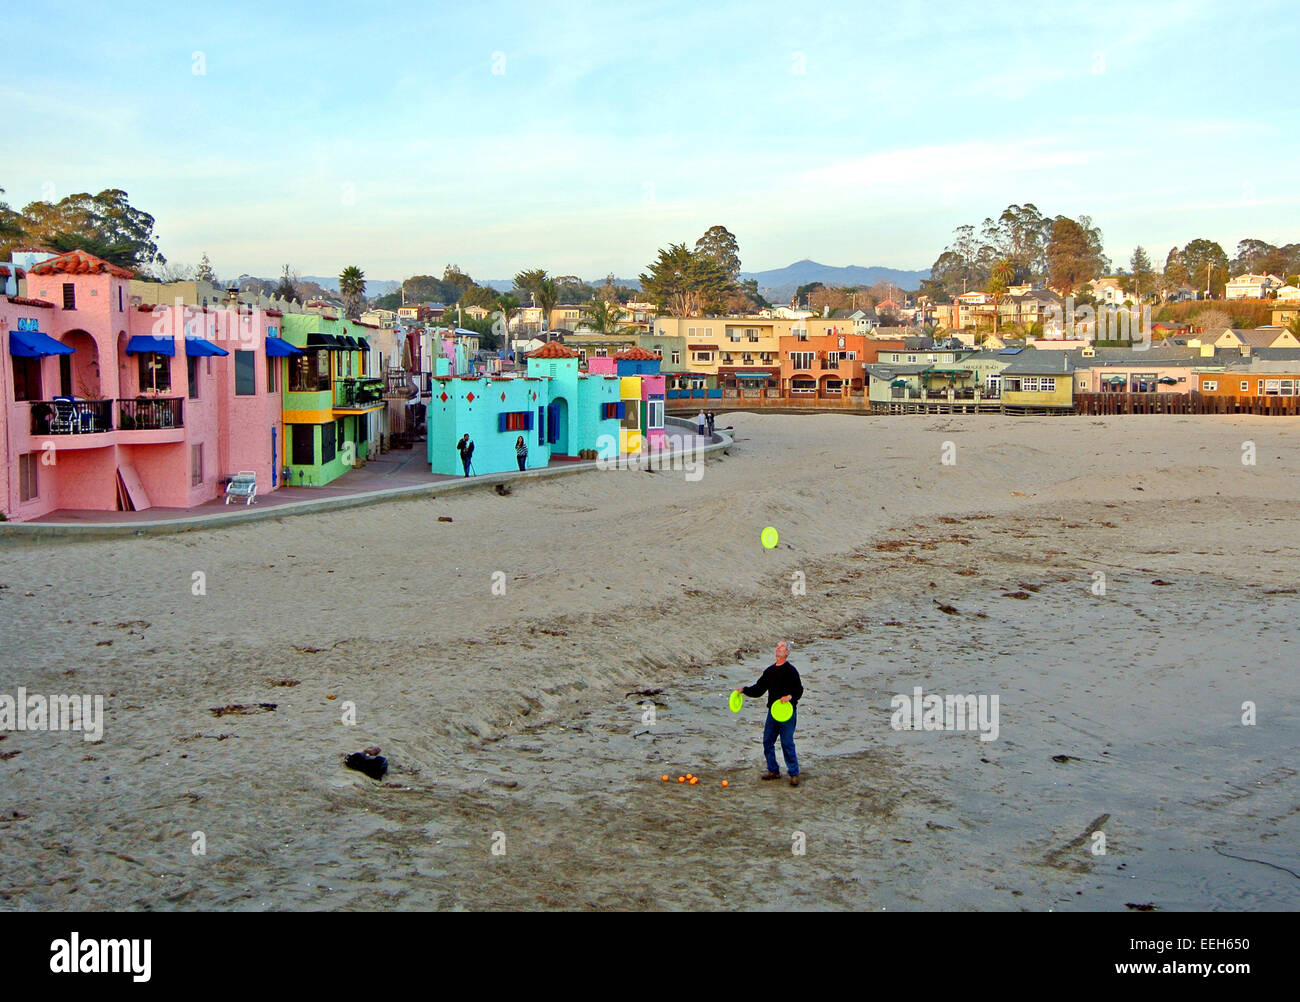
<point>770,731</point>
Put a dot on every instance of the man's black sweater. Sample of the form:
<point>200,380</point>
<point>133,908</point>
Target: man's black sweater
<point>777,681</point>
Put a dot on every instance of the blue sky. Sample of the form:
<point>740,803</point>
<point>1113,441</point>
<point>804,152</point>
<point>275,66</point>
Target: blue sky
<point>580,139</point>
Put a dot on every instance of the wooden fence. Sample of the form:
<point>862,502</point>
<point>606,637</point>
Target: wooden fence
<point>1184,403</point>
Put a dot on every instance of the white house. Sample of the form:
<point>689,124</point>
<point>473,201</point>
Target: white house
<point>1252,286</point>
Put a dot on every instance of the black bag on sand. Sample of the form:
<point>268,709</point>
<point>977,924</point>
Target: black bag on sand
<point>373,766</point>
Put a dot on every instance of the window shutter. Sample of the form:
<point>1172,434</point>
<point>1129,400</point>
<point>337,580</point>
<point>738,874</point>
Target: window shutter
<point>552,423</point>
<point>528,421</point>
<point>501,422</point>
<point>541,426</point>
<point>621,412</point>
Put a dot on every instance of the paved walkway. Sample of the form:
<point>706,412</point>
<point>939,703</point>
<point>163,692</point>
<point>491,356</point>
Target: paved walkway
<point>396,474</point>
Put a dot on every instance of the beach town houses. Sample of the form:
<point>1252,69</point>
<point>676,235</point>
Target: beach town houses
<point>642,389</point>
<point>1251,286</point>
<point>1269,373</point>
<point>109,406</point>
<point>823,364</point>
<point>1260,337</point>
<point>1039,381</point>
<point>558,410</point>
<point>331,400</point>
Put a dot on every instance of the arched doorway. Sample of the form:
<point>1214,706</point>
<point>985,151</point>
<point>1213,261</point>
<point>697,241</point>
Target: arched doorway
<point>557,426</point>
<point>79,374</point>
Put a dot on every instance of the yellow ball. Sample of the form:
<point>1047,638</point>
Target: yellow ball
<point>769,538</point>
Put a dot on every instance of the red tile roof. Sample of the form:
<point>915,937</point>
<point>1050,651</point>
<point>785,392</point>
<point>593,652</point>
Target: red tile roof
<point>553,349</point>
<point>274,313</point>
<point>23,301</point>
<point>637,354</point>
<point>78,262</point>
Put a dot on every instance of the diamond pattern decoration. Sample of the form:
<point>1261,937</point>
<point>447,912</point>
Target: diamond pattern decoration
<point>503,398</point>
<point>444,396</point>
<point>470,397</point>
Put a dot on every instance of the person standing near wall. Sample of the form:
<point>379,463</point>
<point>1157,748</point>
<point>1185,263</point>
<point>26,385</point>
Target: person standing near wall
<point>521,451</point>
<point>466,449</point>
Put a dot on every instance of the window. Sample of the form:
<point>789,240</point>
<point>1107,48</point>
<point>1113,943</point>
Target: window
<point>1245,386</point>
<point>271,368</point>
<point>802,359</point>
<point>196,464</point>
<point>155,372</point>
<point>515,421</point>
<point>655,414</point>
<point>910,358</point>
<point>1047,384</point>
<point>703,356</point>
<point>677,356</point>
<point>751,333</point>
<point>192,377</point>
<point>120,307</point>
<point>327,443</point>
<point>69,296</point>
<point>600,353</point>
<point>27,378</point>
<point>304,444</point>
<point>832,360</point>
<point>245,373</point>
<point>28,481</point>
<point>1209,384</point>
<point>631,415</point>
<point>609,410</point>
<point>309,372</point>
<point>363,427</point>
<point>65,375</point>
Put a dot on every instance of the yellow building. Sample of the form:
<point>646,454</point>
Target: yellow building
<point>1039,379</point>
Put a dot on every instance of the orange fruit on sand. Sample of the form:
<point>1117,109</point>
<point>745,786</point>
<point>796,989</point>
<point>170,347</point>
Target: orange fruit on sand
<point>681,779</point>
<point>724,782</point>
<point>664,778</point>
<point>694,780</point>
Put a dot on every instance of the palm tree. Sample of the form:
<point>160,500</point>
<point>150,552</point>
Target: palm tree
<point>508,305</point>
<point>1293,325</point>
<point>352,286</point>
<point>546,295</point>
<point>603,317</point>
<point>999,283</point>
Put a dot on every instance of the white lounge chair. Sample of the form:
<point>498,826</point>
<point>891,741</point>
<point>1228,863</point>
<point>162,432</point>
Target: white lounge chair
<point>242,485</point>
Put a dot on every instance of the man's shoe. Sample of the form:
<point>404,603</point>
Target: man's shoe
<point>794,780</point>
<point>770,775</point>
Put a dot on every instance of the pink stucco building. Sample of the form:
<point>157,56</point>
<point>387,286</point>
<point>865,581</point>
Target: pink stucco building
<point>105,406</point>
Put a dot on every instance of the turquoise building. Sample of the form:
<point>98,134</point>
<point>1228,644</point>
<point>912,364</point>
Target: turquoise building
<point>558,410</point>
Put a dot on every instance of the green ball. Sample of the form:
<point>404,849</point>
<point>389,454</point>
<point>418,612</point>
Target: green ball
<point>769,538</point>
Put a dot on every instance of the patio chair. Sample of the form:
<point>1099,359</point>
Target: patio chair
<point>64,419</point>
<point>242,485</point>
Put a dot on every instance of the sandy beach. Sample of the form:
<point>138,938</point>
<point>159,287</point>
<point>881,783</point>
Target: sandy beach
<point>517,722</point>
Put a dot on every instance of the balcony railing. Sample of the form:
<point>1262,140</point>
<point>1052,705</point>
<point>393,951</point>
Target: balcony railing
<point>358,392</point>
<point>151,414</point>
<point>71,417</point>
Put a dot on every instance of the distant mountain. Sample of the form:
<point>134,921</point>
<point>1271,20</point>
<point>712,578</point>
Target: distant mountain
<point>374,287</point>
<point>506,284</point>
<point>780,284</point>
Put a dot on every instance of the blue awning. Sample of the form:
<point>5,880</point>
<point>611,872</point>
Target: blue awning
<point>147,344</point>
<point>754,375</point>
<point>279,348</point>
<point>196,347</point>
<point>34,344</point>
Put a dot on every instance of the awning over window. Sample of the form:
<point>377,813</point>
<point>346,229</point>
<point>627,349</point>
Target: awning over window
<point>196,347</point>
<point>147,344</point>
<point>350,343</point>
<point>363,344</point>
<point>754,375</point>
<point>327,341</point>
<point>34,344</point>
<point>279,348</point>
